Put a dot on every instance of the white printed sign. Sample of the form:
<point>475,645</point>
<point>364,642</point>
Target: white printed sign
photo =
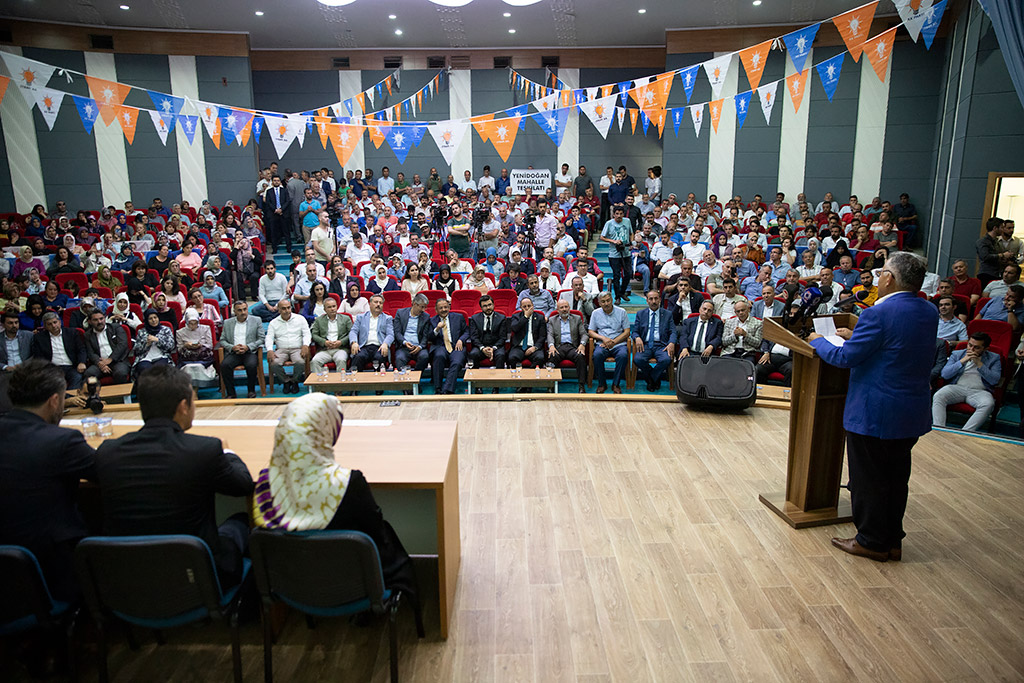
<point>537,180</point>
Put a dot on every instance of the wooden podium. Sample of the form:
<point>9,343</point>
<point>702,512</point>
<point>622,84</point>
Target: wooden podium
<point>816,435</point>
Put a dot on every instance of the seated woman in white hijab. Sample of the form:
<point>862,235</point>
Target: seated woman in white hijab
<point>304,489</point>
<point>121,313</point>
<point>814,246</point>
<point>195,348</point>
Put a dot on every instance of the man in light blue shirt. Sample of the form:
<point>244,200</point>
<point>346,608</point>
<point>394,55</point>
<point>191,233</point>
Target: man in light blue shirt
<point>609,328</point>
<point>971,375</point>
<point>1009,309</point>
<point>779,267</point>
<point>309,214</point>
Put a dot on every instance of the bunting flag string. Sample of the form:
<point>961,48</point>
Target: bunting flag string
<point>854,27</point>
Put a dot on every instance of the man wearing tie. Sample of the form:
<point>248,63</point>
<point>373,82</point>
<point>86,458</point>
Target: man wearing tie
<point>654,337</point>
<point>888,403</point>
<point>567,335</point>
<point>487,331</point>
<point>412,329</point>
<point>528,334</point>
<point>700,334</point>
<point>276,210</point>
<point>448,339</point>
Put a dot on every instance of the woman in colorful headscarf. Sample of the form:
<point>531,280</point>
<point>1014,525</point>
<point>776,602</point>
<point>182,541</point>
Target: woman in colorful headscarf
<point>305,489</point>
<point>154,343</point>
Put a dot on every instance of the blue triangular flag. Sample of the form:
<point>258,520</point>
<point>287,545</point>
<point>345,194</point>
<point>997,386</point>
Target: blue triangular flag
<point>344,120</point>
<point>416,133</point>
<point>581,96</point>
<point>677,117</point>
<point>798,44</point>
<point>188,124</point>
<point>348,105</point>
<point>519,111</point>
<point>931,23</point>
<point>232,121</point>
<point>623,94</point>
<point>828,72</point>
<point>401,139</point>
<point>380,90</point>
<point>169,106</point>
<point>87,110</point>
<point>742,107</point>
<point>553,123</point>
<point>689,78</point>
<point>257,128</point>
<point>407,106</point>
<point>645,121</point>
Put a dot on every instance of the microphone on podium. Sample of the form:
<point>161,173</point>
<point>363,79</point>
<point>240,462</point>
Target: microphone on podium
<point>808,303</point>
<point>849,302</point>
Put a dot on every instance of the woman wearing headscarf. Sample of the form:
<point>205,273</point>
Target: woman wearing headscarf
<point>206,311</point>
<point>35,284</point>
<point>380,282</point>
<point>121,313</point>
<point>215,266</point>
<point>25,261</point>
<point>154,343</point>
<point>397,267</point>
<point>163,311</point>
<point>247,262</point>
<point>445,282</point>
<point>195,348</point>
<point>94,259</point>
<point>389,247</point>
<point>477,280</point>
<point>105,279</point>
<point>212,290</point>
<point>838,251</point>
<point>814,246</point>
<point>304,489</point>
<point>73,247</point>
<point>354,303</point>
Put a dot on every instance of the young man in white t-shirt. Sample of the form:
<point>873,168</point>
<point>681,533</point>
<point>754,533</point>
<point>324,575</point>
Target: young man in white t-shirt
<point>563,179</point>
<point>322,240</point>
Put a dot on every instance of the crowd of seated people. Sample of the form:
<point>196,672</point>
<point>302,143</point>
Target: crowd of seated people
<point>363,235</point>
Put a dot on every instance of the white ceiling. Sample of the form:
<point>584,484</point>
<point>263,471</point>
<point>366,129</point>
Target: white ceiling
<point>365,23</point>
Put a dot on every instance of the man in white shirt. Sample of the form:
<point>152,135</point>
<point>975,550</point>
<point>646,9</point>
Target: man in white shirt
<point>826,205</point>
<point>273,287</point>
<point>709,264</point>
<point>322,240</point>
<point>486,180</point>
<point>467,184</point>
<point>330,333</point>
<point>358,251</point>
<point>385,183</point>
<point>693,249</point>
<point>287,341</point>
<point>563,179</point>
<point>589,280</point>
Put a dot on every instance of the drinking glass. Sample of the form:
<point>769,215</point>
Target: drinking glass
<point>105,427</point>
<point>90,428</point>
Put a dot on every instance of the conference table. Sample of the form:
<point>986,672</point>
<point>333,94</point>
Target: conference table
<point>415,480</point>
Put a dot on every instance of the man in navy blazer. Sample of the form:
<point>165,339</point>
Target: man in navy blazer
<point>888,403</point>
<point>412,341</point>
<point>277,212</point>
<point>702,333</point>
<point>372,336</point>
<point>654,336</point>
<point>449,335</point>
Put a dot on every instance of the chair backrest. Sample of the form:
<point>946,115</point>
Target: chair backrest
<point>24,597</point>
<point>318,572</point>
<point>152,581</point>
<point>1000,332</point>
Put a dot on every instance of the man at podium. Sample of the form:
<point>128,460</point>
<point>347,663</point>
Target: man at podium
<point>889,354</point>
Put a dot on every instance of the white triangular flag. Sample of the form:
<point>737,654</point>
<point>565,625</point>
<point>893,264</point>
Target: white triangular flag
<point>448,136</point>
<point>297,122</point>
<point>546,103</point>
<point>592,93</point>
<point>48,102</point>
<point>601,113</point>
<point>208,115</point>
<point>337,108</point>
<point>29,75</point>
<point>697,114</point>
<point>369,95</point>
<point>621,115</point>
<point>280,131</point>
<point>716,70</point>
<point>913,19</point>
<point>161,125</point>
<point>766,93</point>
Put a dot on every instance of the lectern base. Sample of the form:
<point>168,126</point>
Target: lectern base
<point>802,519</point>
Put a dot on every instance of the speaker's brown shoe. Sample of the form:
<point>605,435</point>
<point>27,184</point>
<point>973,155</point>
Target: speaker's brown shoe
<point>850,545</point>
<point>895,554</point>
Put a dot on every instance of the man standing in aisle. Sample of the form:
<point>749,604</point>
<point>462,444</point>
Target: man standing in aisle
<point>888,404</point>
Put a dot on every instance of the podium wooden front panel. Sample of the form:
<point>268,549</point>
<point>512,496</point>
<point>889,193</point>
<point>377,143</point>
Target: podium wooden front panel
<point>816,436</point>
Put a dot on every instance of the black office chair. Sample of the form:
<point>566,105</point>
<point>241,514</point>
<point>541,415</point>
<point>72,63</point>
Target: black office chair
<point>155,582</point>
<point>26,603</point>
<point>323,574</point>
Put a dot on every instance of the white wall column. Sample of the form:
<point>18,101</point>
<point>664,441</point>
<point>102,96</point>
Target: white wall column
<point>460,106</point>
<point>110,152</point>
<point>872,111</point>
<point>350,84</point>
<point>569,151</point>
<point>22,148</point>
<point>722,145</point>
<point>793,136</point>
<point>191,158</point>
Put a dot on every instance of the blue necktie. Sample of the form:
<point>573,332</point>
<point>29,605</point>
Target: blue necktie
<point>654,328</point>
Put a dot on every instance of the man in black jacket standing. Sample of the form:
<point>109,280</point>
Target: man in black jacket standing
<point>160,480</point>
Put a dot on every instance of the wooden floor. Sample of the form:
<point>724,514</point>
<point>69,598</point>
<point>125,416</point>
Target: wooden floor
<point>625,542</point>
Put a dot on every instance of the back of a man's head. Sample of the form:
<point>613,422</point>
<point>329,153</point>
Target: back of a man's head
<point>161,389</point>
<point>33,383</point>
<point>907,269</point>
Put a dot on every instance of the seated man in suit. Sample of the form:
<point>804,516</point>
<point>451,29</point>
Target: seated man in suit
<point>42,464</point>
<point>412,330</point>
<point>654,337</point>
<point>371,336</point>
<point>330,333</point>
<point>15,350</point>
<point>62,347</point>
<point>579,299</point>
<point>242,337</point>
<point>160,480</point>
<point>488,331</point>
<point>742,335</point>
<point>567,340</point>
<point>700,334</point>
<point>768,305</point>
<point>609,328</point>
<point>971,374</point>
<point>106,348</point>
<point>448,338</point>
<point>529,332</point>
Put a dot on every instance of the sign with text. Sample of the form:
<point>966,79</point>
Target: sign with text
<point>537,180</point>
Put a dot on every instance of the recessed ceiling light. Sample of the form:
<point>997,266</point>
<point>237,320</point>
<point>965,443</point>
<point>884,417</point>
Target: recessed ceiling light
<point>398,31</point>
<point>641,11</point>
<point>511,30</point>
<point>259,13</point>
<point>506,14</point>
<point>392,16</point>
<point>125,7</point>
<point>756,3</point>
<point>335,3</point>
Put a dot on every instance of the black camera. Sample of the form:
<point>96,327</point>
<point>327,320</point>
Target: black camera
<point>93,401</point>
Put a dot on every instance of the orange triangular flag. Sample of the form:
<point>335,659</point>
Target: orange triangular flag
<point>243,135</point>
<point>567,98</point>
<point>754,59</point>
<point>716,113</point>
<point>501,133</point>
<point>606,90</point>
<point>4,80</point>
<point>127,117</point>
<point>109,95</point>
<point>654,95</point>
<point>419,100</point>
<point>480,123</point>
<point>854,26</point>
<point>387,82</point>
<point>796,85</point>
<point>377,133</point>
<point>878,50</point>
<point>216,134</point>
<point>360,98</point>
<point>634,114</point>
<point>344,139</point>
<point>659,118</point>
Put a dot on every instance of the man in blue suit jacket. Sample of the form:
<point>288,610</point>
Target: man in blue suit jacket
<point>276,212</point>
<point>367,348</point>
<point>702,333</point>
<point>654,336</point>
<point>447,329</point>
<point>888,404</point>
<point>412,343</point>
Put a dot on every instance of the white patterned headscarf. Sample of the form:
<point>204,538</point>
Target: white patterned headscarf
<point>303,486</point>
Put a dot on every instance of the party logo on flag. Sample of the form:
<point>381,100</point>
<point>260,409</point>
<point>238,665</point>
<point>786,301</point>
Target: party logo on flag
<point>448,136</point>
<point>4,82</point>
<point>766,94</point>
<point>753,60</point>
<point>546,103</point>
<point>854,27</point>
<point>28,74</point>
<point>931,22</point>
<point>716,113</point>
<point>677,118</point>
<point>257,128</point>
<point>742,101</point>
<point>878,50</point>
<point>601,113</point>
<point>697,114</point>
<point>87,111</point>
<point>49,101</point>
<point>645,121</point>
<point>716,70</point>
<point>232,121</point>
<point>109,95</point>
<point>344,139</point>
<point>401,139</point>
<point>188,125</point>
<point>634,114</point>
<point>281,134</point>
<point>828,72</point>
<point>161,125</point>
<point>798,44</point>
<point>502,134</point>
<point>913,14</point>
<point>624,92</point>
<point>128,117</point>
<point>553,123</point>
<point>168,106</point>
<point>796,85</point>
<point>689,78</point>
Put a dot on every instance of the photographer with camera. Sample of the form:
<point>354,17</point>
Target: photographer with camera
<point>458,226</point>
